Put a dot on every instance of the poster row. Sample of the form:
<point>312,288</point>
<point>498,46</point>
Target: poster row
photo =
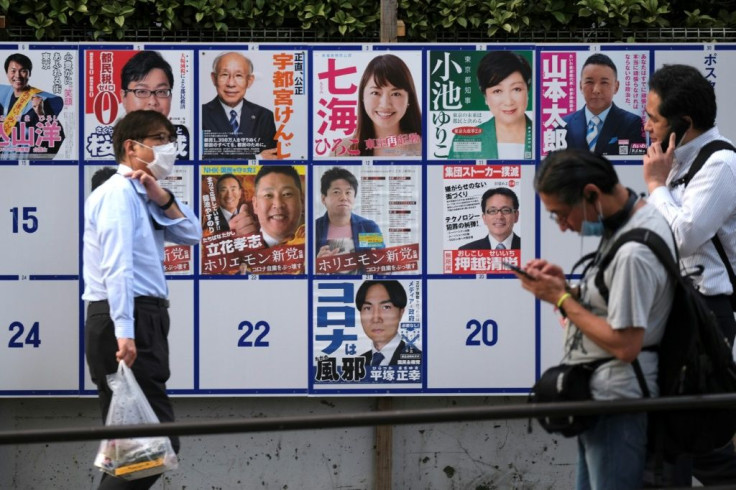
<point>250,102</point>
<point>289,337</point>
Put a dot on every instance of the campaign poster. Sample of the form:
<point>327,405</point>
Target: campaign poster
<point>178,259</point>
<point>249,228</point>
<point>716,63</point>
<point>38,104</point>
<point>367,104</point>
<point>368,221</point>
<point>594,100</point>
<point>122,81</point>
<point>253,104</point>
<point>481,105</point>
<point>367,334</point>
<point>481,210</point>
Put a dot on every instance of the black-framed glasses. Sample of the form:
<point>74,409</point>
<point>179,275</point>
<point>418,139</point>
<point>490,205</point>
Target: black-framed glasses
<point>142,93</point>
<point>504,211</point>
<point>162,137</point>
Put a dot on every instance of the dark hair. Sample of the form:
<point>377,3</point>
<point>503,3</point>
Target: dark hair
<point>279,169</point>
<point>395,290</point>
<point>684,91</point>
<point>565,173</point>
<point>496,66</point>
<point>227,176</point>
<point>600,59</point>
<point>387,69</point>
<point>504,191</point>
<point>101,176</point>
<point>336,173</point>
<point>23,60</point>
<point>141,64</point>
<point>136,126</point>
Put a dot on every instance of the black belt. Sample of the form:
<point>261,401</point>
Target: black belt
<point>141,300</point>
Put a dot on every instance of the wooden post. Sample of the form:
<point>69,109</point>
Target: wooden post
<point>389,12</point>
<point>2,22</point>
<point>384,448</point>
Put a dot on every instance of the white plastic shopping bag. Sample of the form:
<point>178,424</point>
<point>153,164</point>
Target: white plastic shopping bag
<point>131,459</point>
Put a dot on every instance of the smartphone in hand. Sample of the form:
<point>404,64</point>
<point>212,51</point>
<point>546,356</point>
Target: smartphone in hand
<point>517,269</point>
<point>679,126</point>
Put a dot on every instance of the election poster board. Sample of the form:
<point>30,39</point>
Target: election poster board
<point>481,105</point>
<point>269,197</point>
<point>383,213</point>
<point>343,230</point>
<point>38,102</point>
<point>118,81</point>
<point>253,103</point>
<point>367,104</point>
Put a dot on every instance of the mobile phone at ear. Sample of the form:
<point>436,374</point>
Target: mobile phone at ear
<point>679,126</point>
<point>518,269</point>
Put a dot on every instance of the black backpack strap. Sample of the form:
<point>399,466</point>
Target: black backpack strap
<point>640,378</point>
<point>703,155</point>
<point>643,236</point>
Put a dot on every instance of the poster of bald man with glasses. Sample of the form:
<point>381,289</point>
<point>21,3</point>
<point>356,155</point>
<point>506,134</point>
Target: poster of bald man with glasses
<point>481,210</point>
<point>121,81</point>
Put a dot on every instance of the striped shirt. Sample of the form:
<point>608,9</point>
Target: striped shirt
<point>705,207</point>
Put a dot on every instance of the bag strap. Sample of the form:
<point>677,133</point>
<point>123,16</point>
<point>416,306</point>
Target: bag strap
<point>646,237</point>
<point>703,155</point>
<point>658,246</point>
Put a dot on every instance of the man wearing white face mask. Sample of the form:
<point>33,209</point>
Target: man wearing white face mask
<point>582,192</point>
<point>127,220</point>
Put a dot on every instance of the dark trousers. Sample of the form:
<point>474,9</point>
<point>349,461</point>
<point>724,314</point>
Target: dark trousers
<point>151,367</point>
<point>717,467</point>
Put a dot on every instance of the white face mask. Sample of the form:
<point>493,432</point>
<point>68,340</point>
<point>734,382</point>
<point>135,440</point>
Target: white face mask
<point>164,157</point>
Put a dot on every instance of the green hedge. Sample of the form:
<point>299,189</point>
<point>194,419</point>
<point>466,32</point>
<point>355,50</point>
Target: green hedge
<point>108,20</point>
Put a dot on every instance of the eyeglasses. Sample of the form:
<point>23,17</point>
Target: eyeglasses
<point>504,211</point>
<point>161,137</point>
<point>142,93</point>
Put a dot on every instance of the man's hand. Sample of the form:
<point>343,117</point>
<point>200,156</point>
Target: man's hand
<point>657,163</point>
<point>548,286</point>
<point>126,351</point>
<point>155,192</point>
<point>243,223</point>
<point>272,154</point>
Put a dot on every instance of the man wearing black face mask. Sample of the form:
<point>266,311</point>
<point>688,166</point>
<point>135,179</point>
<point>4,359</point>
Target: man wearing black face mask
<point>582,192</point>
<point>681,105</point>
<point>127,220</point>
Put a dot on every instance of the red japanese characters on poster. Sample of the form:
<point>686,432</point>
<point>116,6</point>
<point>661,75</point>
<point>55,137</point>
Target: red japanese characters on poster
<point>368,219</point>
<point>481,211</point>
<point>253,219</point>
<point>253,105</point>
<point>367,104</point>
<point>38,105</point>
<point>121,81</point>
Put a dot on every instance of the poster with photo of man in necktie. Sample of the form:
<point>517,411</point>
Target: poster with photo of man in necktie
<point>481,209</point>
<point>251,102</point>
<point>594,100</point>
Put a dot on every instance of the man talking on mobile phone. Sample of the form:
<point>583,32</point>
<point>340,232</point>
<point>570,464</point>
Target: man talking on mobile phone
<point>681,105</point>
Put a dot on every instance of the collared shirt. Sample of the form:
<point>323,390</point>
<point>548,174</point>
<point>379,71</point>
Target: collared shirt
<point>506,242</point>
<point>602,116</point>
<point>388,350</point>
<point>123,253</point>
<point>238,108</point>
<point>696,212</point>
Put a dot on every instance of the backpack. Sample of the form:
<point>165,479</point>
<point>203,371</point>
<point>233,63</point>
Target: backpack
<point>694,359</point>
<point>703,155</point>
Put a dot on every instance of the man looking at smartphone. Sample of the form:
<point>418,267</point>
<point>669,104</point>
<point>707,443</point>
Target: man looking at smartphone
<point>681,105</point>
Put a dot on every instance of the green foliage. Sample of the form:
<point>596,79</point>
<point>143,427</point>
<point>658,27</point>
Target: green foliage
<point>348,19</point>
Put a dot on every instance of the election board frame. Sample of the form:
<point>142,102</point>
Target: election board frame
<point>248,334</point>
